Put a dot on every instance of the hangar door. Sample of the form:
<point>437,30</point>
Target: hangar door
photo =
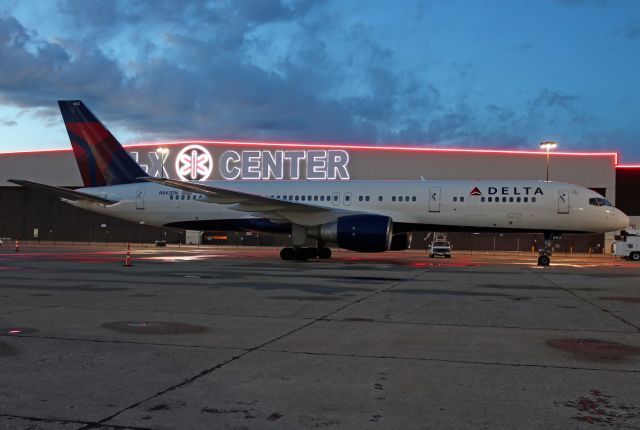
<point>563,201</point>
<point>434,199</point>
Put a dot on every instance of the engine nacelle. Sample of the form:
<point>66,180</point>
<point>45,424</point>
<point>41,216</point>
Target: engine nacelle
<point>362,233</point>
<point>400,242</point>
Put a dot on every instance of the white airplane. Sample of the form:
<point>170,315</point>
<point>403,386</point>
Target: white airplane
<point>364,216</point>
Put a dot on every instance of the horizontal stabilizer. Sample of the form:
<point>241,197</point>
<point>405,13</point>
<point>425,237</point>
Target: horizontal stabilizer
<point>63,193</point>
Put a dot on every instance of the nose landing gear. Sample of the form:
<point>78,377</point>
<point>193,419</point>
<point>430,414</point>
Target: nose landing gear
<point>544,254</point>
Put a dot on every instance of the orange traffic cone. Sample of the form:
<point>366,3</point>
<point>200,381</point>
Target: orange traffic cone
<point>127,259</point>
<point>17,245</point>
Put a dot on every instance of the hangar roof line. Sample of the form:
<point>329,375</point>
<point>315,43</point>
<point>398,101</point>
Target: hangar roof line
<point>615,155</point>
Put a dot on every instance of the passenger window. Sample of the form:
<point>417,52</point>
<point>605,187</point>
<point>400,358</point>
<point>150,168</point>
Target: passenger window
<point>518,199</point>
<point>366,198</point>
<point>297,197</point>
<point>526,199</point>
<point>359,198</point>
<point>462,199</point>
<point>322,198</point>
<point>489,199</point>
<point>335,198</point>
<point>347,197</point>
<point>511,199</point>
<point>455,199</point>
<point>400,198</point>
<point>504,200</point>
<point>315,198</point>
<point>413,199</point>
<point>170,196</point>
<point>533,199</point>
<point>302,198</point>
<point>379,198</point>
<point>393,199</point>
<point>482,199</point>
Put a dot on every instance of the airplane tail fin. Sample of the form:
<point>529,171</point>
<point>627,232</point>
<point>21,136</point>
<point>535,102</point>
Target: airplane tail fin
<point>101,158</point>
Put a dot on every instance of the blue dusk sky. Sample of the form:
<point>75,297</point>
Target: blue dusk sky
<point>462,73</point>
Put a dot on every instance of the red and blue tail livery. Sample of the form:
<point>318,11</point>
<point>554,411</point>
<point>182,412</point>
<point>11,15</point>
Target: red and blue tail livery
<point>100,157</point>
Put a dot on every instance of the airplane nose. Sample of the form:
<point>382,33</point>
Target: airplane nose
<point>621,220</point>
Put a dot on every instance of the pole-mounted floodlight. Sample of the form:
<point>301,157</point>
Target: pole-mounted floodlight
<point>163,152</point>
<point>549,145</point>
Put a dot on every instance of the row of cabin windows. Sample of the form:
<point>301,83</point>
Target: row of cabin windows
<point>497,199</point>
<point>347,198</point>
<point>186,197</point>
<point>306,198</point>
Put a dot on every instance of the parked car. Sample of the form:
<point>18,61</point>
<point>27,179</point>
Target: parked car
<point>440,248</point>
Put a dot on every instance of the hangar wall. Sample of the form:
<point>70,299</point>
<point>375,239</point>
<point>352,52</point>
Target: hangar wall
<point>21,211</point>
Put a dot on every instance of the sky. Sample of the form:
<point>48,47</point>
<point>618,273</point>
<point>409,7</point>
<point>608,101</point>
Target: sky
<point>459,73</point>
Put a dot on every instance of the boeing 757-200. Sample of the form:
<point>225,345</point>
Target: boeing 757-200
<point>364,216</point>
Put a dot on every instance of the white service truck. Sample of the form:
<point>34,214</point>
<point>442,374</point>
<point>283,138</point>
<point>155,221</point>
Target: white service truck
<point>627,245</point>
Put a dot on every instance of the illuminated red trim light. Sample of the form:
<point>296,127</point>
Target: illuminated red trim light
<point>615,155</point>
<point>628,166</point>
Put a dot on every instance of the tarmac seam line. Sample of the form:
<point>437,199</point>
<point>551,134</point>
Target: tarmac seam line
<point>605,310</point>
<point>63,421</point>
<point>256,348</point>
<point>450,361</point>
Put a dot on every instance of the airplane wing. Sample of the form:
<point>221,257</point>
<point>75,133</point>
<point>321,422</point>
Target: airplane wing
<point>63,193</point>
<point>239,200</point>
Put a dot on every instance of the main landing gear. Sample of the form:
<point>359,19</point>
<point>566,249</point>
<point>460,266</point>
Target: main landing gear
<point>544,258</point>
<point>303,253</point>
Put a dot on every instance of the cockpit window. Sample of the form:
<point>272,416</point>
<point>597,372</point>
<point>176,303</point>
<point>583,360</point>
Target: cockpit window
<point>597,201</point>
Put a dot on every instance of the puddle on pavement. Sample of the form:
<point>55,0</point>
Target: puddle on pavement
<point>17,330</point>
<point>153,327</point>
<point>595,349</point>
<point>309,298</point>
<point>621,299</point>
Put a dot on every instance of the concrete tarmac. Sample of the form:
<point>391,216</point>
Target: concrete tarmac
<point>207,338</point>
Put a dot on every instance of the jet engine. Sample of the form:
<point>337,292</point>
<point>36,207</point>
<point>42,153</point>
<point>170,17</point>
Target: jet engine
<point>362,233</point>
<point>400,242</point>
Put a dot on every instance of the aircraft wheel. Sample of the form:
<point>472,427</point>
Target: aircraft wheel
<point>287,253</point>
<point>324,253</point>
<point>301,254</point>
<point>544,260</point>
<point>312,252</point>
<point>635,256</point>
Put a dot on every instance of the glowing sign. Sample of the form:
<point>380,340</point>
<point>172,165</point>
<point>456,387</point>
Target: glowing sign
<point>319,164</point>
<point>194,163</point>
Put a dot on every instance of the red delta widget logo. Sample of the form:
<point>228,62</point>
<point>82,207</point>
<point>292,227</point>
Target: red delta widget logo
<point>509,191</point>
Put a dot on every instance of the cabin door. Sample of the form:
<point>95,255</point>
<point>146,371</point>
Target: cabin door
<point>434,199</point>
<point>563,201</point>
<point>140,197</point>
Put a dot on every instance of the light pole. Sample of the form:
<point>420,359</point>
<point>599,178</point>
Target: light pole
<point>548,146</point>
<point>162,152</point>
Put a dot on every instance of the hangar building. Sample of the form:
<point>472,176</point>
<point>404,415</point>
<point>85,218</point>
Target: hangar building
<point>30,216</point>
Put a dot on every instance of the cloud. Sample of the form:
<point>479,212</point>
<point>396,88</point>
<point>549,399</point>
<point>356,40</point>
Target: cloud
<point>8,123</point>
<point>272,70</point>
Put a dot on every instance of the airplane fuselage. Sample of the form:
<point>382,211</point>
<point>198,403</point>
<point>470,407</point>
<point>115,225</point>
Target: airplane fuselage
<point>444,205</point>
